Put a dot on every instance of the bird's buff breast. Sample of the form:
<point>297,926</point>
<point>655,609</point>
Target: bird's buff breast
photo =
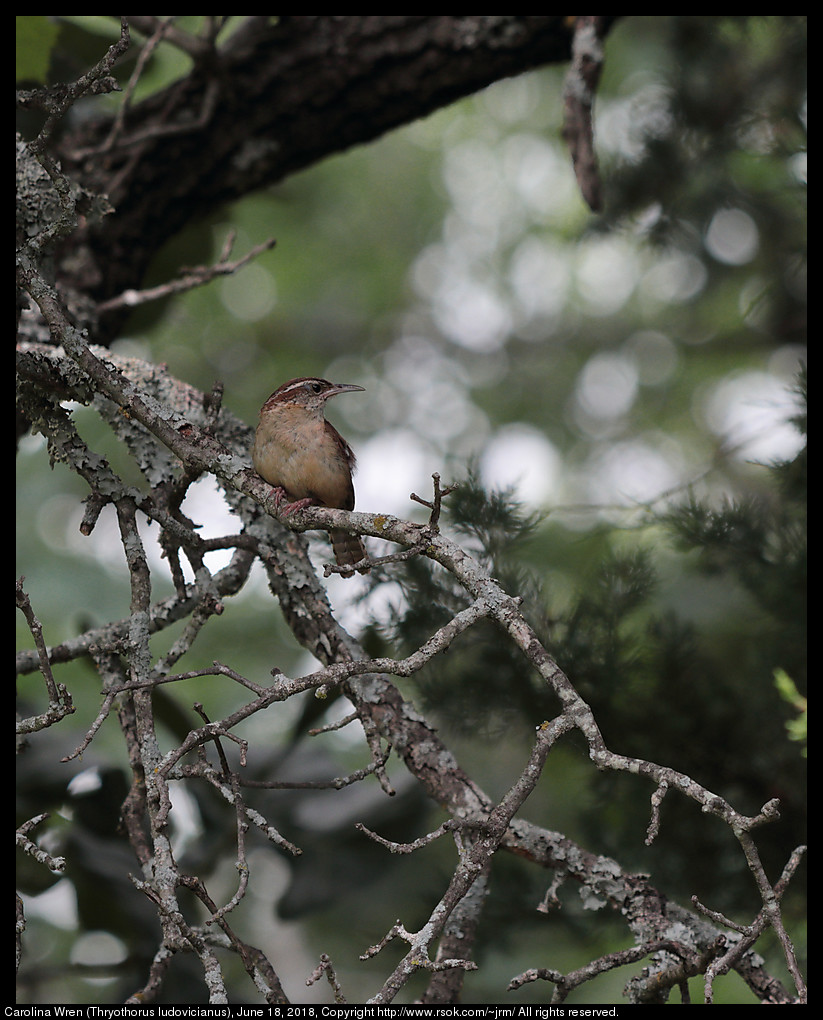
<point>294,458</point>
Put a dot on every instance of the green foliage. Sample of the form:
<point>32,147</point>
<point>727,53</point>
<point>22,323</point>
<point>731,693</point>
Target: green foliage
<point>597,641</point>
<point>796,728</point>
<point>36,37</point>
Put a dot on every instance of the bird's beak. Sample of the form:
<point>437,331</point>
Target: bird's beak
<point>342,388</point>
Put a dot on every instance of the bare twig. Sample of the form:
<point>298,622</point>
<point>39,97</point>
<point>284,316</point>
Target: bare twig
<point>161,29</point>
<point>197,48</point>
<point>435,504</point>
<point>325,967</point>
<point>338,783</point>
<point>566,983</point>
<point>196,276</point>
<point>57,864</point>
<point>657,800</point>
<point>60,701</point>
<point>450,825</point>
<point>204,770</point>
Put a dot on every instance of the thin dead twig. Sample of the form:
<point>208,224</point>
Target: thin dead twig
<point>195,276</point>
<point>60,700</point>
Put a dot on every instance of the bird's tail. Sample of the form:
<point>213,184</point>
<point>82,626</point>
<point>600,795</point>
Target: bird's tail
<point>348,550</point>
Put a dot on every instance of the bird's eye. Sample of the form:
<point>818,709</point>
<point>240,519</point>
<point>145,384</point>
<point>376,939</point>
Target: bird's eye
<point>317,387</point>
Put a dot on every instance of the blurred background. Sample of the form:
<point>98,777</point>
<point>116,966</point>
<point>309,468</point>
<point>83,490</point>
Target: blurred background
<point>620,395</point>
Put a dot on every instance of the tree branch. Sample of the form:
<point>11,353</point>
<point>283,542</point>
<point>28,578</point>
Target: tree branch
<point>366,682</point>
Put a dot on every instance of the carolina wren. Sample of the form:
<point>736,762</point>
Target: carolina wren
<point>305,458</point>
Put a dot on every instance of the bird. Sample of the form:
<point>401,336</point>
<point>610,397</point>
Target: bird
<point>306,459</point>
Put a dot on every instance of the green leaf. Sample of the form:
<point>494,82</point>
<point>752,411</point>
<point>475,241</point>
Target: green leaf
<point>36,36</point>
<point>797,727</point>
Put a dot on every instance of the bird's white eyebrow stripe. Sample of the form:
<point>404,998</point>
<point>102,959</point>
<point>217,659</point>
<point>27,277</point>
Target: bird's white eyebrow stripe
<point>287,388</point>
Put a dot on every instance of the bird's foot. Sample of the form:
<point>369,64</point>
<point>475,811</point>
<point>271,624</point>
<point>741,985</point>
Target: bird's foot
<point>289,507</point>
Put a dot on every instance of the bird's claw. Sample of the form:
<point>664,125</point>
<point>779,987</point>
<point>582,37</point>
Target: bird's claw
<point>287,508</point>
